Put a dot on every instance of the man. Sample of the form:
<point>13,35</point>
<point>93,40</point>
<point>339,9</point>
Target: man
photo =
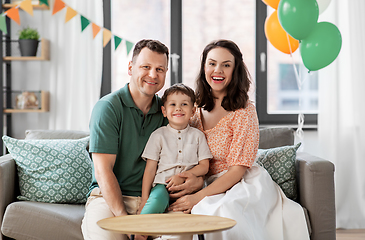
<point>120,126</point>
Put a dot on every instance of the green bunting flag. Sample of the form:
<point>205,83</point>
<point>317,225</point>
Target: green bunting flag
<point>129,46</point>
<point>3,24</point>
<point>44,2</point>
<point>84,23</point>
<point>117,41</point>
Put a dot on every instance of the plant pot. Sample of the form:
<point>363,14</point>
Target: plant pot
<point>28,47</point>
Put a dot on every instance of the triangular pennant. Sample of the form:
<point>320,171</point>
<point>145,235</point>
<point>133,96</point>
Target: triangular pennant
<point>117,41</point>
<point>58,6</point>
<point>84,23</point>
<point>27,6</point>
<point>107,35</point>
<point>129,46</point>
<point>96,29</point>
<point>13,13</point>
<point>70,14</point>
<point>3,27</point>
<point>45,2</point>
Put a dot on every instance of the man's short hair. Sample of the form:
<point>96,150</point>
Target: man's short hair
<point>153,45</point>
<point>178,88</point>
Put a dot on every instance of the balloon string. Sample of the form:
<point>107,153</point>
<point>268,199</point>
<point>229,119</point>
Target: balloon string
<point>299,132</point>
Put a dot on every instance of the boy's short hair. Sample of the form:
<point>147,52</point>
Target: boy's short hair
<point>178,88</point>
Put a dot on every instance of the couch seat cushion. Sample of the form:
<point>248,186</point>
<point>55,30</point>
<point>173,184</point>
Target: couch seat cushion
<point>35,220</point>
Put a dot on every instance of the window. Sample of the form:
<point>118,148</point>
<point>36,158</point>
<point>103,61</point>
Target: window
<point>205,21</point>
<point>187,26</point>
<point>132,21</point>
<point>278,97</point>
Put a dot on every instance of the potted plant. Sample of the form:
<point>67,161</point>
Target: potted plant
<point>28,41</point>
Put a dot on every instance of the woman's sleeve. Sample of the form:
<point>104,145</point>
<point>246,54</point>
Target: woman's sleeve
<point>245,140</point>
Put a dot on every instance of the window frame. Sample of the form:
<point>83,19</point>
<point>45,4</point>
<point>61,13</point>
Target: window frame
<point>176,47</point>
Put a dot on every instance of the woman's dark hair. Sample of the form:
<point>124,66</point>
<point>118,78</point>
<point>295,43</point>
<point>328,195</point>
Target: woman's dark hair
<point>178,88</point>
<point>153,45</point>
<point>237,89</point>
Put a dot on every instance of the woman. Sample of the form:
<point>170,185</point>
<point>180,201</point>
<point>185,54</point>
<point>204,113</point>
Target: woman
<point>237,188</point>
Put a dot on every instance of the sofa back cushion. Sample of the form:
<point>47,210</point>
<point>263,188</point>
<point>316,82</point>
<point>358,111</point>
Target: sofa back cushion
<point>55,134</point>
<point>276,137</point>
<point>52,170</point>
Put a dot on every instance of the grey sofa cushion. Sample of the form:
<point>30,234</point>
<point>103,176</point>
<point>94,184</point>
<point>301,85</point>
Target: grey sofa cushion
<point>276,137</point>
<point>55,134</point>
<point>34,220</point>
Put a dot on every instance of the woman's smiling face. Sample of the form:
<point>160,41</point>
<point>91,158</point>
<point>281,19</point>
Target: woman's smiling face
<point>219,68</point>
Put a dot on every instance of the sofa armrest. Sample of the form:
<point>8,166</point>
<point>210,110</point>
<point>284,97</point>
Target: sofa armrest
<point>317,194</point>
<point>8,181</point>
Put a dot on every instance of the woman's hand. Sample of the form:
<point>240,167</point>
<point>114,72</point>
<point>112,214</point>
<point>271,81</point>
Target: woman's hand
<point>192,184</point>
<point>185,203</point>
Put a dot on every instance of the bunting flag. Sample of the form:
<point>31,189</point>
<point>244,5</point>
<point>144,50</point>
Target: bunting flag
<point>13,13</point>
<point>27,6</point>
<point>70,14</point>
<point>96,29</point>
<point>58,6</point>
<point>107,35</point>
<point>3,24</point>
<point>117,41</point>
<point>84,23</point>
<point>45,2</point>
<point>129,46</point>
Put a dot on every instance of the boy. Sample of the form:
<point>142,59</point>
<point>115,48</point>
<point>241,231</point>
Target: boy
<point>172,149</point>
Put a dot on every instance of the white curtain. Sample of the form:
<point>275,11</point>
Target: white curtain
<point>75,65</point>
<point>342,113</point>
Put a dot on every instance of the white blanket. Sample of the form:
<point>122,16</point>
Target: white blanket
<point>259,206</point>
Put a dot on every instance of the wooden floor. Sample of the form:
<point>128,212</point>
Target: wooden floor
<point>350,234</point>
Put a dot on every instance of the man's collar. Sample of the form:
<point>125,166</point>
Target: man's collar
<point>128,100</point>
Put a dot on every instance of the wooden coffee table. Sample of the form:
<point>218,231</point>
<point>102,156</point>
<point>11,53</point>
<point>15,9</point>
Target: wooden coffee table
<point>166,224</point>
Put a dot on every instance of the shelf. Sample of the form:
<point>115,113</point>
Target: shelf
<point>44,106</point>
<point>35,5</point>
<point>44,54</point>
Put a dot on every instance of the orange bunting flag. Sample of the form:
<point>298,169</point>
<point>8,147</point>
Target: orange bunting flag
<point>58,6</point>
<point>96,29</point>
<point>107,35</point>
<point>27,6</point>
<point>70,14</point>
<point>13,13</point>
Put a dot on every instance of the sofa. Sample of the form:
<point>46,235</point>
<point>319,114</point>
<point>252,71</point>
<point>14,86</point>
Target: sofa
<point>39,220</point>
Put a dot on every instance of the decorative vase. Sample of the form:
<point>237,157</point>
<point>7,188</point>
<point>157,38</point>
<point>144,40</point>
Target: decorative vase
<point>28,47</point>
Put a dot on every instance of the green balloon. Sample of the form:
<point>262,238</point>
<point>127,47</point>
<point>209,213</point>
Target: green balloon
<point>321,47</point>
<point>298,17</point>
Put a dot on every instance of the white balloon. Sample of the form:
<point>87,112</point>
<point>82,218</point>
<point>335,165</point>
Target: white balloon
<point>322,5</point>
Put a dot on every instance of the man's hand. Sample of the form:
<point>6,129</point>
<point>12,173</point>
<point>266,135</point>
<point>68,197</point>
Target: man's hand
<point>192,184</point>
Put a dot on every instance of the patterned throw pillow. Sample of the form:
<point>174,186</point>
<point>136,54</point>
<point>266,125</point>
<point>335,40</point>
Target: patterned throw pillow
<point>280,164</point>
<point>52,170</point>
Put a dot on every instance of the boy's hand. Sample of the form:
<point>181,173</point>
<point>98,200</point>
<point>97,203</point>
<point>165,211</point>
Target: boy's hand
<point>143,202</point>
<point>175,181</point>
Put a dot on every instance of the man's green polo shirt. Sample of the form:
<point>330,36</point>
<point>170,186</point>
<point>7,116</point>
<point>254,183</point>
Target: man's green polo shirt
<point>118,126</point>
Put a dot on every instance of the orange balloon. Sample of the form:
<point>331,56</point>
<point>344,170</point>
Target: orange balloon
<point>277,36</point>
<point>272,3</point>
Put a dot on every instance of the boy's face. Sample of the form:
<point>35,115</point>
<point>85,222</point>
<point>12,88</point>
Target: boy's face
<point>178,109</point>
